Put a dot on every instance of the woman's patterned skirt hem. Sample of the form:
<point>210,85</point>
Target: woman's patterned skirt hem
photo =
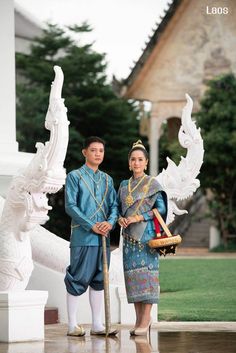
<point>142,285</point>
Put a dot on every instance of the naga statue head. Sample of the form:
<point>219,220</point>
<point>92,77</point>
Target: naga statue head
<point>45,173</point>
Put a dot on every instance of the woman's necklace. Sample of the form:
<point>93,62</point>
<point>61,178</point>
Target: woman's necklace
<point>129,198</point>
<point>96,182</point>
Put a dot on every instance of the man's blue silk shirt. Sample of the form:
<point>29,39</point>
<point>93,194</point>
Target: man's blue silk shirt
<point>81,206</point>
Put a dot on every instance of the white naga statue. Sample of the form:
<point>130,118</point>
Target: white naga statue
<point>179,182</point>
<point>26,204</point>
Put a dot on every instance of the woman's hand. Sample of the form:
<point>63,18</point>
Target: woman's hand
<point>123,222</point>
<point>132,219</point>
<point>135,219</point>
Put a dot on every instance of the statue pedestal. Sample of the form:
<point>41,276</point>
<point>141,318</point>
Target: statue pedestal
<point>22,315</point>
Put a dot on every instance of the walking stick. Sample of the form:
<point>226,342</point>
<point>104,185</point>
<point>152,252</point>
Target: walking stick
<point>106,287</point>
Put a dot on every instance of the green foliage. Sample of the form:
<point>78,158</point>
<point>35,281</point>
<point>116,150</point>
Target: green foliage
<point>197,290</point>
<point>217,119</point>
<point>229,247</point>
<point>169,148</point>
<point>93,108</point>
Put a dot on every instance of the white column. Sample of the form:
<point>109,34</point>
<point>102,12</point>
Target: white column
<point>214,237</point>
<point>7,78</point>
<point>154,146</point>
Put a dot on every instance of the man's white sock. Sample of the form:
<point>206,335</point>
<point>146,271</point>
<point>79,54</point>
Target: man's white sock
<point>72,307</point>
<point>96,298</point>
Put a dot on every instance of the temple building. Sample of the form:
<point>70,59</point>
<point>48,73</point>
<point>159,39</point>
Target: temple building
<point>26,28</point>
<point>17,30</point>
<point>194,42</point>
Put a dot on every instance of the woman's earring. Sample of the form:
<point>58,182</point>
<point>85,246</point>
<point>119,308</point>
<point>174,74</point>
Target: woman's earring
<point>130,168</point>
<point>145,167</point>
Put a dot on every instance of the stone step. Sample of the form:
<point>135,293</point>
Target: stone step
<point>202,228</point>
<point>193,245</point>
<point>200,242</point>
<point>200,224</point>
<point>198,234</point>
<point>198,229</point>
<point>51,315</point>
<point>194,234</point>
<point>181,250</point>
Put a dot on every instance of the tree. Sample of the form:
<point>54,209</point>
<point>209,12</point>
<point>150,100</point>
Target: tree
<point>217,119</point>
<point>93,108</point>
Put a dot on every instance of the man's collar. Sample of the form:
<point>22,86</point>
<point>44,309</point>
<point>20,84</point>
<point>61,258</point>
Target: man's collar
<point>89,170</point>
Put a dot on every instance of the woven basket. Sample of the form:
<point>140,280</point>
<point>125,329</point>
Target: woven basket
<point>167,243</point>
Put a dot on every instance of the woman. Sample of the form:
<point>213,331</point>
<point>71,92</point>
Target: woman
<point>137,197</point>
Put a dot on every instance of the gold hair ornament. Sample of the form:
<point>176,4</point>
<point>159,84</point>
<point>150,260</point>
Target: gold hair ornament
<point>138,144</point>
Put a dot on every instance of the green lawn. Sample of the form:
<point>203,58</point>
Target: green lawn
<point>197,290</point>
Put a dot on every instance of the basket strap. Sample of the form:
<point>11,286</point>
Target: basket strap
<point>157,227</point>
<point>162,223</point>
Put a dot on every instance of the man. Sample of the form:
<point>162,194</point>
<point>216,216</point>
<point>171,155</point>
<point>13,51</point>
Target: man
<point>91,202</point>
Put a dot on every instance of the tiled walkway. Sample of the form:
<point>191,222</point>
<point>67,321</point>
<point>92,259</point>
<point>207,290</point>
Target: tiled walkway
<point>166,337</point>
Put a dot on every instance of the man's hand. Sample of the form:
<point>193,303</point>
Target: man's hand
<point>104,226</point>
<point>96,230</point>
